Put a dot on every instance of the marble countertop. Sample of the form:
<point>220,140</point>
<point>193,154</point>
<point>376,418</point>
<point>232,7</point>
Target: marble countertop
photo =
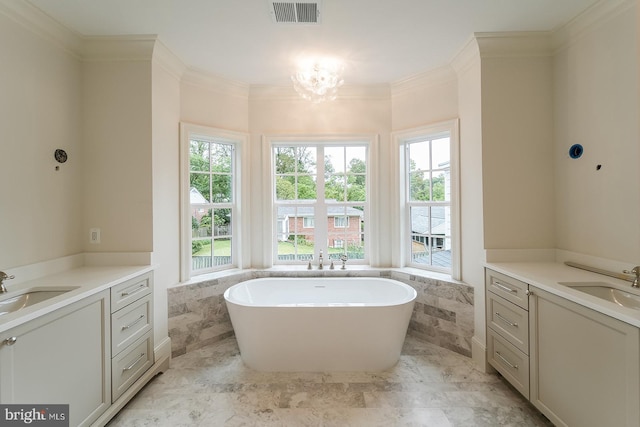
<point>87,281</point>
<point>548,275</point>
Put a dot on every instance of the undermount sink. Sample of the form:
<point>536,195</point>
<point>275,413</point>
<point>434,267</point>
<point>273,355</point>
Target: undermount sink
<point>607,292</point>
<point>14,301</point>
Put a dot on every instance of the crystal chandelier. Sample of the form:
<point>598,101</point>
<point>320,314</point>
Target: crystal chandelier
<point>318,82</point>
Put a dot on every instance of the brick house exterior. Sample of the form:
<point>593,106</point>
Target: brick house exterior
<point>344,226</point>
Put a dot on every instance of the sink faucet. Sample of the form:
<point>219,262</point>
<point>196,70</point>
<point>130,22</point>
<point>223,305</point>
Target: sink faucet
<point>320,260</point>
<point>4,276</point>
<point>636,271</point>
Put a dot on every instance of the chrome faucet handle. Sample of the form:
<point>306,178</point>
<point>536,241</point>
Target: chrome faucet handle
<point>4,276</point>
<point>635,270</point>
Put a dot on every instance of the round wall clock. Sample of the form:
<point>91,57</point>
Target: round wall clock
<point>60,155</point>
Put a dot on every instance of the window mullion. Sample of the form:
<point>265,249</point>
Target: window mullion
<point>320,208</point>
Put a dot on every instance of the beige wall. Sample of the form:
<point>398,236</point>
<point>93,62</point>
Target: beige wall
<point>212,102</point>
<point>517,153</point>
<point>430,98</point>
<point>117,155</point>
<point>596,105</point>
<point>40,111</point>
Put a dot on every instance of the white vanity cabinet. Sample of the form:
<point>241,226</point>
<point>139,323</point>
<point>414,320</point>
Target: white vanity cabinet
<point>131,332</point>
<point>508,328</point>
<point>62,357</point>
<point>585,366</point>
<point>579,367</point>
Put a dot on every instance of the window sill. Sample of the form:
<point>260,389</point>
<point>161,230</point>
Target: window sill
<point>302,270</point>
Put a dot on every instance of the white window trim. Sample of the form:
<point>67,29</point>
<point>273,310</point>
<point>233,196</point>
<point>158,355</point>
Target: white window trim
<point>372,221</point>
<point>399,239</point>
<point>240,222</point>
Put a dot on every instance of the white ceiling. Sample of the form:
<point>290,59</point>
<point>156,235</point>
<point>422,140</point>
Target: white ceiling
<point>380,41</point>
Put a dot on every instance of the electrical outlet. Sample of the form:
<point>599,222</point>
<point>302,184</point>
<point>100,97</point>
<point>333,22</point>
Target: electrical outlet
<point>94,235</point>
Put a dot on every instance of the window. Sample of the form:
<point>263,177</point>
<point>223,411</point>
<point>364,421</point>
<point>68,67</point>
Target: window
<point>429,194</point>
<point>314,180</point>
<point>341,221</point>
<point>210,212</point>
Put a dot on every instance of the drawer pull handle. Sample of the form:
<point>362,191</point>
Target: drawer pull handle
<point>127,293</point>
<point>505,288</point>
<point>506,361</point>
<point>135,362</point>
<point>10,340</point>
<point>505,320</point>
<point>125,327</point>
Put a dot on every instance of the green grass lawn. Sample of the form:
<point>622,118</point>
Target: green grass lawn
<point>222,248</point>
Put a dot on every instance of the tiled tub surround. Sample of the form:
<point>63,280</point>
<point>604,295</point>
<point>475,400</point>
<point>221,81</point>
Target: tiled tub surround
<point>442,315</point>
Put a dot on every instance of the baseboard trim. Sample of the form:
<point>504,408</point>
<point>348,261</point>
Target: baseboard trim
<point>162,355</point>
<point>479,355</point>
<point>163,350</point>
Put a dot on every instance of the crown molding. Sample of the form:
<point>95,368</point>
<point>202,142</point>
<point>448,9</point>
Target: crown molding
<point>209,81</point>
<point>42,25</point>
<point>346,92</point>
<point>589,20</point>
<point>118,48</point>
<point>519,44</point>
<point>435,77</point>
<point>466,56</point>
<point>169,61</point>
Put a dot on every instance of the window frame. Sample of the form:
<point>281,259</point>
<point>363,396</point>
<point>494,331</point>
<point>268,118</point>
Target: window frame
<point>402,216</point>
<point>320,209</point>
<point>238,140</point>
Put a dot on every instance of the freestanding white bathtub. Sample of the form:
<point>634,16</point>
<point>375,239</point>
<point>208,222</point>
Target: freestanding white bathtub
<point>320,324</point>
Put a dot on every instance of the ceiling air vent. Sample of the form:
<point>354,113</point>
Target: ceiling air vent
<point>299,12</point>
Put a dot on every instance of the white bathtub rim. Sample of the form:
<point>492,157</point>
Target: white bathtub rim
<point>411,293</point>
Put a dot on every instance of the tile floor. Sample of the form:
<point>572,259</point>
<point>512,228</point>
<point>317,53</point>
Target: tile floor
<point>430,386</point>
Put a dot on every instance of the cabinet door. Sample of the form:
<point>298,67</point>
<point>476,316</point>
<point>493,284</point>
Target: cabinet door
<point>584,365</point>
<point>60,358</point>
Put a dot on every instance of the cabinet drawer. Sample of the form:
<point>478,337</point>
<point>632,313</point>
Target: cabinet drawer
<point>511,289</point>
<point>509,361</point>
<point>509,320</point>
<point>130,323</point>
<point>129,365</point>
<point>129,291</point>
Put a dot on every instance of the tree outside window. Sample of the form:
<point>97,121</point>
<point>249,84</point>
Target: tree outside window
<point>319,180</point>
<point>211,198</point>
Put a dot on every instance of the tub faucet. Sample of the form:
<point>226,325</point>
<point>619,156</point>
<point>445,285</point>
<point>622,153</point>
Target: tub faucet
<point>4,276</point>
<point>344,259</point>
<point>636,271</point>
<point>320,260</point>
